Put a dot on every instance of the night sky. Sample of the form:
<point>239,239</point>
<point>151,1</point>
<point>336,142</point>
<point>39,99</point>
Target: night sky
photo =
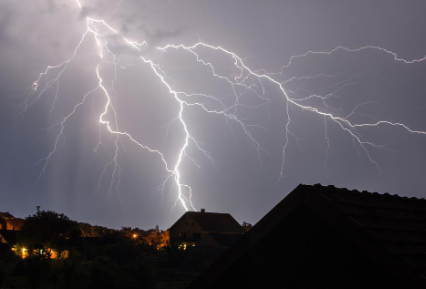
<point>73,144</point>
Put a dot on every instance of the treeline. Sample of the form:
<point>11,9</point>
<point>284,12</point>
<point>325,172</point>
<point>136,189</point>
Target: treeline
<point>60,253</point>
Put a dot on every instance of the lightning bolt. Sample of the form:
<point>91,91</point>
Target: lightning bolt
<point>343,48</point>
<point>242,81</point>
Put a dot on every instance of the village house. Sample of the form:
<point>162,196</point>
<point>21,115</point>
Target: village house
<point>205,229</point>
<point>9,222</point>
<point>8,225</point>
<point>325,237</point>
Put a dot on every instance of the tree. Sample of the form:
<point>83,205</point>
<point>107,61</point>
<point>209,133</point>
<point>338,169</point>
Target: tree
<point>8,260</point>
<point>247,226</point>
<point>47,230</point>
<point>157,238</point>
<point>37,269</point>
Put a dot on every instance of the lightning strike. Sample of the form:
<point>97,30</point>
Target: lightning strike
<point>368,47</point>
<point>245,80</point>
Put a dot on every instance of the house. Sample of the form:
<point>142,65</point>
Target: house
<point>205,229</point>
<point>9,229</point>
<point>325,237</point>
<point>9,222</point>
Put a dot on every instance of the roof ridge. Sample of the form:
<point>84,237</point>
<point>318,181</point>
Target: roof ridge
<point>208,213</point>
<point>365,192</point>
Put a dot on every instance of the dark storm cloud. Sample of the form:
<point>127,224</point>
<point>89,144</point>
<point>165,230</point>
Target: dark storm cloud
<point>37,33</point>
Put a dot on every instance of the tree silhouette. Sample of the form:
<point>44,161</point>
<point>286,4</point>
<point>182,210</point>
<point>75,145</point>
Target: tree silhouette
<point>47,230</point>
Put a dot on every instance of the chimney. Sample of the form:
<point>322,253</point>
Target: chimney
<point>38,209</point>
<point>203,210</point>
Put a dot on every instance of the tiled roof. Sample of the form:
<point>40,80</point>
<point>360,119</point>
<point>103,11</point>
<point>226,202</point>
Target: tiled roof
<point>215,222</point>
<point>397,224</point>
<point>389,228</point>
<point>6,215</point>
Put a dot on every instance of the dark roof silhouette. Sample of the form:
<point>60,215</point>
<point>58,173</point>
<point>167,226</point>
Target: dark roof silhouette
<point>389,229</point>
<point>214,222</point>
<point>6,215</point>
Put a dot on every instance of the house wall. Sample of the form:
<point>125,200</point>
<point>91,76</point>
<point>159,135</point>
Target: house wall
<point>11,223</point>
<point>2,240</point>
<point>184,230</point>
<point>11,227</point>
<point>14,224</point>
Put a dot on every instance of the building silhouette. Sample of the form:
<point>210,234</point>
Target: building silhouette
<point>205,229</point>
<point>325,237</point>
<point>8,225</point>
<point>9,222</point>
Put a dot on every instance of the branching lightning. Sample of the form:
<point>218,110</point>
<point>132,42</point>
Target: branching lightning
<point>245,80</point>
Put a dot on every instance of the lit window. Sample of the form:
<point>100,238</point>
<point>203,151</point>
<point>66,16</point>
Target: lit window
<point>182,246</point>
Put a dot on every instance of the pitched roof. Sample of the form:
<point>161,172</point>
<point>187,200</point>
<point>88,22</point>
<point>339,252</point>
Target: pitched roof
<point>390,228</point>
<point>397,224</point>
<point>6,215</point>
<point>214,222</point>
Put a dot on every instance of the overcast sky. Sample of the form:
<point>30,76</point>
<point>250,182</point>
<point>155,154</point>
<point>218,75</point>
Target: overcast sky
<point>256,126</point>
